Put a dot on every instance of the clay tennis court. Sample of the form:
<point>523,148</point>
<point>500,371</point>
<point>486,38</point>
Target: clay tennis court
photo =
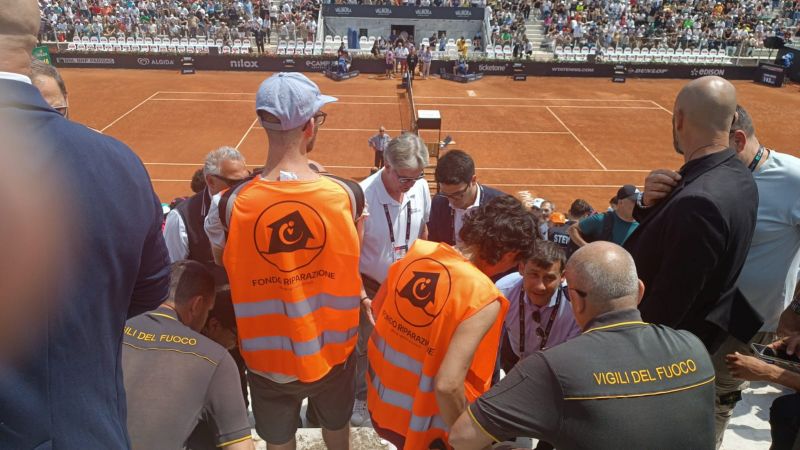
<point>559,138</point>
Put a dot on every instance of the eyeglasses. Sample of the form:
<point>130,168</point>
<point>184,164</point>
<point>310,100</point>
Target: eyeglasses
<point>229,181</point>
<point>319,118</point>
<point>61,110</point>
<point>455,195</point>
<point>408,179</point>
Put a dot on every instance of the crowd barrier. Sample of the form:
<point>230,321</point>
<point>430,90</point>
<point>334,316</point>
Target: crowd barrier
<point>320,64</point>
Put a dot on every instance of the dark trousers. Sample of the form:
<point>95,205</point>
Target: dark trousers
<point>784,421</point>
<point>378,163</point>
<point>260,46</point>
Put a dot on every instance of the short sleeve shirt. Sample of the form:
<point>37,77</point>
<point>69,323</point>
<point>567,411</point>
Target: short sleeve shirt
<point>592,228</point>
<point>379,142</point>
<point>174,376</point>
<point>377,252</point>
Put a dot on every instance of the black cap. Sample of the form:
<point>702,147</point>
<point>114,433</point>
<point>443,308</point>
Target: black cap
<point>626,191</point>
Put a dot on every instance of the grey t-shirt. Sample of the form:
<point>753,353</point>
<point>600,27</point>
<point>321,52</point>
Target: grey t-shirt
<point>175,376</point>
<point>769,275</point>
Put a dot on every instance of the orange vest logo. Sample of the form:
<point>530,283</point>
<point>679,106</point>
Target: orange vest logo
<point>294,240</point>
<point>422,293</point>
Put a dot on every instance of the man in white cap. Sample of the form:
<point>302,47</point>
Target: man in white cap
<point>291,250</point>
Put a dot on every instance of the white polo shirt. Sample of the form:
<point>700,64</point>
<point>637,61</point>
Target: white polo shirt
<point>377,252</point>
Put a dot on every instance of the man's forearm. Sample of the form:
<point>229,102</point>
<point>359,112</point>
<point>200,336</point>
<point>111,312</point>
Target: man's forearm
<point>452,402</point>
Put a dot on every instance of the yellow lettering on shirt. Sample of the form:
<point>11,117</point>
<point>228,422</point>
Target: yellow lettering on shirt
<point>175,339</point>
<point>662,373</point>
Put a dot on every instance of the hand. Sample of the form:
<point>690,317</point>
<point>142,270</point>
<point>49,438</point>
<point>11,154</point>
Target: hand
<point>791,344</point>
<point>749,368</point>
<point>789,323</point>
<point>366,306</point>
<point>658,185</point>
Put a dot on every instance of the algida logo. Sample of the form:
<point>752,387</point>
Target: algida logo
<point>289,235</point>
<point>422,291</point>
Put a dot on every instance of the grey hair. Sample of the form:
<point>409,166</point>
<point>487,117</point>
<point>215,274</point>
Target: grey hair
<point>40,69</point>
<point>407,151</point>
<point>610,277</point>
<point>214,159</point>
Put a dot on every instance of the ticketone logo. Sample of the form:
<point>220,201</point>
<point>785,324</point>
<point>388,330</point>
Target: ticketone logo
<point>491,68</point>
<point>244,64</point>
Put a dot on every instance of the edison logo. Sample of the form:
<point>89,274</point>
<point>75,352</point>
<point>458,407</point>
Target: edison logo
<point>289,235</point>
<point>422,291</point>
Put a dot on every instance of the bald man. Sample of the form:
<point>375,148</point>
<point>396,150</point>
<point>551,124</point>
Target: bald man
<point>691,243</point>
<point>623,383</point>
<point>65,390</point>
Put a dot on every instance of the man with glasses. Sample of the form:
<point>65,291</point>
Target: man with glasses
<point>623,383</point>
<point>50,84</point>
<point>289,241</point>
<point>183,230</point>
<point>399,201</point>
<point>459,192</point>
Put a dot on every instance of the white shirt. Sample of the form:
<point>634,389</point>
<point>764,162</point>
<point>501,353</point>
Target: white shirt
<point>175,236</point>
<point>377,252</point>
<point>458,215</point>
<point>14,77</point>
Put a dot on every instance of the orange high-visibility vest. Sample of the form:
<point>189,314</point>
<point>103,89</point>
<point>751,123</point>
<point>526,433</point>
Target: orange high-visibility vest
<point>292,260</point>
<point>429,293</point>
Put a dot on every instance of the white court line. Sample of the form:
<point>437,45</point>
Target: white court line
<point>604,186</point>
<point>246,133</point>
<point>253,101</point>
<point>576,137</point>
<point>661,107</point>
<point>449,131</point>
<point>129,111</point>
<point>449,97</point>
<point>494,169</point>
<point>418,104</point>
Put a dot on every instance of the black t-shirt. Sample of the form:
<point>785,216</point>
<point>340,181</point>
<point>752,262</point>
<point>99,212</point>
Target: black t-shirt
<point>412,60</point>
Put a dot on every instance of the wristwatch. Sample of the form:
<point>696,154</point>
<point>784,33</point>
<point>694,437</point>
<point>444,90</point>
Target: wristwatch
<point>639,202</point>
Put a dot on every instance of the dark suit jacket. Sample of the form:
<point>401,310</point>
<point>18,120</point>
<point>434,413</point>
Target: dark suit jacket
<point>442,219</point>
<point>690,248</point>
<point>66,390</point>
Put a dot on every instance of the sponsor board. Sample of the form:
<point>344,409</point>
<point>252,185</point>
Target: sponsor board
<point>343,10</point>
<point>145,61</point>
<point>423,12</point>
<point>318,65</point>
<point>707,71</point>
<point>383,11</point>
<point>574,69</point>
<point>403,12</point>
<point>492,68</point>
<point>648,70</point>
<point>85,60</point>
<point>463,13</point>
<point>244,64</point>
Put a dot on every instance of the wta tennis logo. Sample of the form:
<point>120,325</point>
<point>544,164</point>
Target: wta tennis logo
<point>422,291</point>
<point>289,235</point>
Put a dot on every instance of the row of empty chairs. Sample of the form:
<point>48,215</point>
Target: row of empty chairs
<point>499,52</point>
<point>299,48</point>
<point>645,55</point>
<point>182,45</point>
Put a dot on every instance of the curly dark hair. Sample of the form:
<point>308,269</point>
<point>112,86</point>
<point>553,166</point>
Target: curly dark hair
<point>503,225</point>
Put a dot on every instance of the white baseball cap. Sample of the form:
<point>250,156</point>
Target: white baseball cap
<point>292,98</point>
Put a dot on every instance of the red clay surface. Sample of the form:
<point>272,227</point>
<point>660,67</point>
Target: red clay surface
<point>559,138</point>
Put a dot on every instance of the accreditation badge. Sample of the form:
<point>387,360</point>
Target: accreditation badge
<point>399,252</point>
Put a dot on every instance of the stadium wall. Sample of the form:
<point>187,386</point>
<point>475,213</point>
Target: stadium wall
<point>370,65</point>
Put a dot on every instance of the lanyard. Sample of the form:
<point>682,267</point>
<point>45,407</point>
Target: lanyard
<point>391,228</point>
<point>550,321</point>
<point>756,159</point>
<point>453,214</point>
